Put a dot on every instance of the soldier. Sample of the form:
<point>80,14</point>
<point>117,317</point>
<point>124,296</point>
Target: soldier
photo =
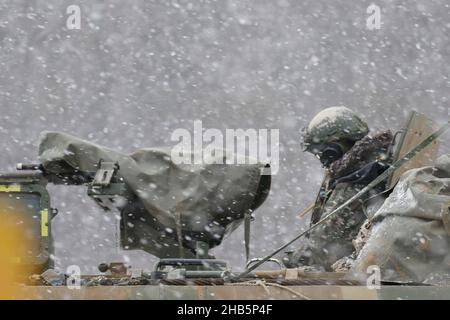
<point>352,158</point>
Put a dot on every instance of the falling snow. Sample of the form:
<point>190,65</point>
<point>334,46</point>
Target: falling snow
<point>137,70</point>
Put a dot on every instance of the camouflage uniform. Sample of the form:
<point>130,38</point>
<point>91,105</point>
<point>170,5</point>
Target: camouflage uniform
<point>366,157</point>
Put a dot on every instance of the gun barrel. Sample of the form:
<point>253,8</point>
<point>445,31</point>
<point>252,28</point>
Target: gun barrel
<point>32,166</point>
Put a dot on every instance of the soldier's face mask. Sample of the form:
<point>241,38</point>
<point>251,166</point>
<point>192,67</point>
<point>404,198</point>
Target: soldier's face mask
<point>329,153</point>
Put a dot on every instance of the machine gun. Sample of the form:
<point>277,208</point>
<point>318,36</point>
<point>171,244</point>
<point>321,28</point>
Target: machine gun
<point>172,211</point>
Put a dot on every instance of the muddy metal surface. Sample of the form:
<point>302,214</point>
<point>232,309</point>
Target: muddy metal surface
<point>230,292</point>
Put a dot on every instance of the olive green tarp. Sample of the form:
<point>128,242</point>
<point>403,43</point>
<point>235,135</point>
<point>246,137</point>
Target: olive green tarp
<point>410,236</point>
<point>205,201</point>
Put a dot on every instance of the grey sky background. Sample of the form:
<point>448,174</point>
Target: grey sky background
<point>139,69</point>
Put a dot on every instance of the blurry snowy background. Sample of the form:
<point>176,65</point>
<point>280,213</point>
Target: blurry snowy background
<point>139,69</point>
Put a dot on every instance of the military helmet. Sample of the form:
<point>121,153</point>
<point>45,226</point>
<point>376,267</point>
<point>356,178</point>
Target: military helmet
<point>334,124</point>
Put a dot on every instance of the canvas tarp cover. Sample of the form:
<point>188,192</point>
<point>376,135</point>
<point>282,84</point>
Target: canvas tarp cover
<point>206,201</point>
<point>410,237</point>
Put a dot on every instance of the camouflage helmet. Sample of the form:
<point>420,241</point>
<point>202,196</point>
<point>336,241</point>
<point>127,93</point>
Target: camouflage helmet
<point>333,125</point>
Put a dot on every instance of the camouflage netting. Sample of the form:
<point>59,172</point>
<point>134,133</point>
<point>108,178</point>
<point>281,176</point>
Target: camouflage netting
<point>410,237</point>
<point>206,201</point>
